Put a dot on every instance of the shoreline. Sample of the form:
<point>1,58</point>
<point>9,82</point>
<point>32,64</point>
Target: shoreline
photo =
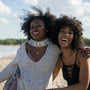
<point>10,45</point>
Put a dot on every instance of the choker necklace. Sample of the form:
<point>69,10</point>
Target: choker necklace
<point>38,43</point>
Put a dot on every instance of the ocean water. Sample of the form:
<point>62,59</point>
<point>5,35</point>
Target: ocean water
<point>6,51</point>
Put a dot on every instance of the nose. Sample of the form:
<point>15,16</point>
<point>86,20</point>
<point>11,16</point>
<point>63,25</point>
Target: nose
<point>35,27</point>
<point>66,34</point>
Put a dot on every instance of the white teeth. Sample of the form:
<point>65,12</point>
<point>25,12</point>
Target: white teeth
<point>36,33</point>
<point>65,39</point>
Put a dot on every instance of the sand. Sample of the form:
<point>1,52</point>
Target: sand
<point>58,82</point>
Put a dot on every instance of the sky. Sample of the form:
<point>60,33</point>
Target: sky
<point>11,10</point>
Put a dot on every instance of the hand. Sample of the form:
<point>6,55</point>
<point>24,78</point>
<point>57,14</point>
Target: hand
<point>85,52</point>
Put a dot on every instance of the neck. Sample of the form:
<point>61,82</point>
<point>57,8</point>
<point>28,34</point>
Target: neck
<point>66,52</point>
<point>38,40</point>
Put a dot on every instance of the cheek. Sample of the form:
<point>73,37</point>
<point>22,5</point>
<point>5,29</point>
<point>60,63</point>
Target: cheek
<point>30,32</point>
<point>43,32</point>
<point>59,37</point>
<point>71,38</point>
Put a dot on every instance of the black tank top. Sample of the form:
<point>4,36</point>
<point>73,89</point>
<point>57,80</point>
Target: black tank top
<point>71,73</point>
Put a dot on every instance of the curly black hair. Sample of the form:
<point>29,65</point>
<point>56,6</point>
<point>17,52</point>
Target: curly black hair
<point>75,26</point>
<point>47,18</point>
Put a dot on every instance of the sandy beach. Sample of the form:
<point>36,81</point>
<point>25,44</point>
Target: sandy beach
<point>58,82</point>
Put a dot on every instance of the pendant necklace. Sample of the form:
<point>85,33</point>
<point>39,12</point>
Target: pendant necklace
<point>37,53</point>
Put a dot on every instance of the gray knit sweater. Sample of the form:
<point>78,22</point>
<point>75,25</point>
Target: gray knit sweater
<point>34,75</point>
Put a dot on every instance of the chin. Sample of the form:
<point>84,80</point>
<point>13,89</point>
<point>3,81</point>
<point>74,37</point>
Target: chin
<point>37,39</point>
<point>64,46</point>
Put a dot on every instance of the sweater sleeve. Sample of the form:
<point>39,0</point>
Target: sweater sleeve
<point>9,69</point>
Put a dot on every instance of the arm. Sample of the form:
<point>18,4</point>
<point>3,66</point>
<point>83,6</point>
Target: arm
<point>84,75</point>
<point>8,71</point>
<point>57,68</point>
<point>85,52</point>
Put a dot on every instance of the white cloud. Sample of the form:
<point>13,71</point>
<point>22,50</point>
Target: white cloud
<point>75,2</point>
<point>86,7</point>
<point>69,7</point>
<point>32,2</point>
<point>3,20</point>
<point>15,15</point>
<point>4,9</point>
<point>76,8</point>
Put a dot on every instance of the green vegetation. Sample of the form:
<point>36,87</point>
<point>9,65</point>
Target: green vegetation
<point>86,42</point>
<point>12,41</point>
<point>20,41</point>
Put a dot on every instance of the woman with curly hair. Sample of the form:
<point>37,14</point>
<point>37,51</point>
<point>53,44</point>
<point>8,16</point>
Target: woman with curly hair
<point>67,35</point>
<point>36,58</point>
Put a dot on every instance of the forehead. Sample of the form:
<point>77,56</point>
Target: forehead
<point>67,28</point>
<point>37,21</point>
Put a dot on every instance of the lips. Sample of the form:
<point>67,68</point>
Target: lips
<point>35,33</point>
<point>65,40</point>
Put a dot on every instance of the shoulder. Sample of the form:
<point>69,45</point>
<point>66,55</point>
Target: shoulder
<point>23,44</point>
<point>21,48</point>
<point>55,48</point>
<point>83,58</point>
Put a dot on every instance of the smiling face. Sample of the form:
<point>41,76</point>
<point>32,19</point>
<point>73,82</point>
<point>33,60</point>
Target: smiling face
<point>38,30</point>
<point>65,37</point>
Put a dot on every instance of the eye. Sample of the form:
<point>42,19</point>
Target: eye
<point>70,33</point>
<point>39,26</point>
<point>62,31</point>
<point>31,27</point>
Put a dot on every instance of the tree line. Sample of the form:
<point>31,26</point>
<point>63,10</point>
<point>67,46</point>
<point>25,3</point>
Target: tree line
<point>12,41</point>
<point>86,42</point>
<point>20,41</point>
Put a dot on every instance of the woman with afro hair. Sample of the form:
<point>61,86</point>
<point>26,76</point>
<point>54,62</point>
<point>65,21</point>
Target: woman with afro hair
<point>36,57</point>
<point>66,33</point>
